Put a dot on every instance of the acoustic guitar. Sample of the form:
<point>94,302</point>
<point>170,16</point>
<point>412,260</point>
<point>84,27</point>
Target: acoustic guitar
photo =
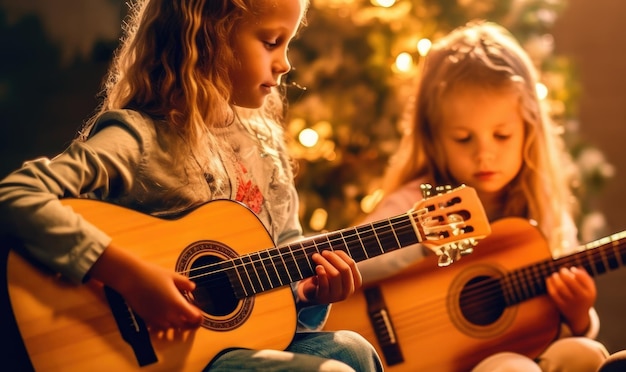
<point>449,319</point>
<point>242,281</point>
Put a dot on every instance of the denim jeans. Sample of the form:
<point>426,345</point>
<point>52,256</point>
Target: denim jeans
<point>315,351</point>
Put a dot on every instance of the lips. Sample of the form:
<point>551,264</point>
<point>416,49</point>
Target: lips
<point>484,174</point>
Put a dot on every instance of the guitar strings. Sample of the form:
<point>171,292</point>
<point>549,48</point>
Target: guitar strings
<point>481,293</point>
<point>307,244</point>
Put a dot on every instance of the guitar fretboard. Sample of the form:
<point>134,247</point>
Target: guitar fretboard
<point>597,258</point>
<point>272,268</point>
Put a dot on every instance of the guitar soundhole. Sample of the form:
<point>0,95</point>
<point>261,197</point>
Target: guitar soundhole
<point>209,264</point>
<point>213,293</point>
<point>482,301</point>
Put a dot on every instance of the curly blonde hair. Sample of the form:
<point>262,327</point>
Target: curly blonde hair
<point>484,55</point>
<point>172,64</point>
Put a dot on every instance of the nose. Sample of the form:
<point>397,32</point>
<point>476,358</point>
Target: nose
<point>282,64</point>
<point>485,150</point>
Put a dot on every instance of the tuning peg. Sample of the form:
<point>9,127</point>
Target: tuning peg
<point>466,246</point>
<point>443,189</point>
<point>452,252</point>
<point>444,258</point>
<point>426,190</point>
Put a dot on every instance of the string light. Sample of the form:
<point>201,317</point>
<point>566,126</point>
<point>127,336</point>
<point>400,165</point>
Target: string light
<point>383,3</point>
<point>318,220</point>
<point>404,62</point>
<point>423,46</point>
<point>369,202</point>
<point>308,137</point>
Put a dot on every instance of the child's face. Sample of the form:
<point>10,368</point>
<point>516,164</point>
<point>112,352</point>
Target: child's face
<point>260,48</point>
<point>482,135</point>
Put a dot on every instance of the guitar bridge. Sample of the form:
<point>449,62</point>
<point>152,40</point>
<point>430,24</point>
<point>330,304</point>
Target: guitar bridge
<point>132,328</point>
<point>383,326</point>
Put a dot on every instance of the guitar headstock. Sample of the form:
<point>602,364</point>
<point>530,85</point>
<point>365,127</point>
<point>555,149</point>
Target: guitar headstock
<point>449,221</point>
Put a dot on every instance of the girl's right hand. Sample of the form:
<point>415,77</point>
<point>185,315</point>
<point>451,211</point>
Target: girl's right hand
<point>153,292</point>
<point>574,293</point>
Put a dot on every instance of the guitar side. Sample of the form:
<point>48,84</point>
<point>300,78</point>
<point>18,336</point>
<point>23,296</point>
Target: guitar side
<point>70,327</point>
<point>423,304</point>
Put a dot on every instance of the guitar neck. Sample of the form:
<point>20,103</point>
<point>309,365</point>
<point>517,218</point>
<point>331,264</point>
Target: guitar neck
<point>275,267</point>
<point>596,258</point>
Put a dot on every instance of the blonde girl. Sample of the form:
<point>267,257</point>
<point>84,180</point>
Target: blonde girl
<point>191,112</point>
<point>476,120</point>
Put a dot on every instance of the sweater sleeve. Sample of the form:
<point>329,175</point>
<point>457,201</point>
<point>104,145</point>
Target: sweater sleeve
<point>31,209</point>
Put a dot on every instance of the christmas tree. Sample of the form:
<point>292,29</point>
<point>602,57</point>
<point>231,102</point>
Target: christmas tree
<point>354,62</point>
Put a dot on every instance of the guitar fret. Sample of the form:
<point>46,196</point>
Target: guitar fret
<point>537,280</point>
<point>521,281</point>
<point>303,259</point>
<point>388,241</point>
<point>618,238</point>
<point>404,231</point>
<point>379,244</point>
<point>510,287</point>
<point>309,250</point>
<point>295,263</point>
<point>588,264</point>
<point>505,284</point>
<point>352,242</point>
<point>272,274</point>
<point>577,261</point>
<point>604,259</point>
<point>345,245</point>
<point>325,243</point>
<point>255,278</point>
<point>598,264</point>
<point>543,270</point>
<point>527,282</point>
<point>287,259</point>
<point>368,240</point>
<point>279,264</point>
<point>234,276</point>
<point>519,289</point>
<point>261,271</point>
<point>244,274</point>
<point>612,259</point>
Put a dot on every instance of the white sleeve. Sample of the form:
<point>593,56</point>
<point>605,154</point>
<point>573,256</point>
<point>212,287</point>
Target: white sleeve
<point>594,324</point>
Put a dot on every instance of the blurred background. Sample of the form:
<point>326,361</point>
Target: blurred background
<point>355,60</point>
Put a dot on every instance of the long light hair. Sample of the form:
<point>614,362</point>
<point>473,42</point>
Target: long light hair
<point>486,56</point>
<point>172,64</point>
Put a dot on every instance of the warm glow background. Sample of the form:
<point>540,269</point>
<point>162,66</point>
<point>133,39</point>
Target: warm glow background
<point>55,52</point>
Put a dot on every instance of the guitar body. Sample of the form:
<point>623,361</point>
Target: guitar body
<point>436,329</point>
<point>69,327</point>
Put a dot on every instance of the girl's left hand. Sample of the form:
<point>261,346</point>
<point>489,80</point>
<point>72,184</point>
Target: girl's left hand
<point>574,293</point>
<point>337,277</point>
